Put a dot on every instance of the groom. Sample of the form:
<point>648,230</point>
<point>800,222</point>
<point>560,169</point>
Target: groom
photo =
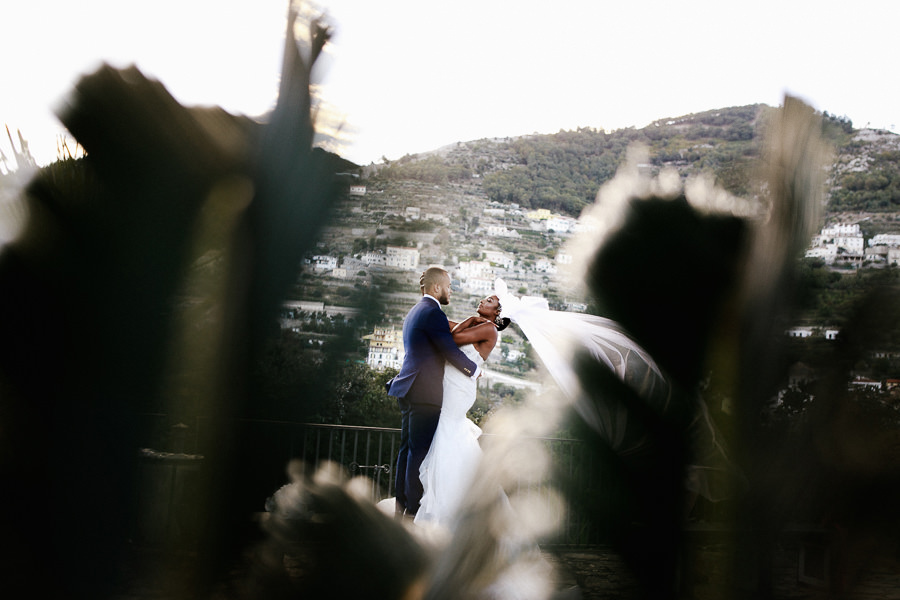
<point>419,387</point>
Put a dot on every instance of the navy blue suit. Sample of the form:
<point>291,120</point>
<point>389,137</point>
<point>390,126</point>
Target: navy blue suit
<point>419,389</point>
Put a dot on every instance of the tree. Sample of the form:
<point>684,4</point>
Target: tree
<point>323,384</point>
<point>360,398</point>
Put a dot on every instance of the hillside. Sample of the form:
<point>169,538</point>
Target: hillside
<point>450,203</point>
<point>444,201</point>
<point>563,171</point>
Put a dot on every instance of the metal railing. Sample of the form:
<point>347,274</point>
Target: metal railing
<point>369,451</point>
<point>366,451</point>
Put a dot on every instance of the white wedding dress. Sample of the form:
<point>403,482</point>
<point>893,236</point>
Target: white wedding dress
<point>510,564</point>
<point>451,462</point>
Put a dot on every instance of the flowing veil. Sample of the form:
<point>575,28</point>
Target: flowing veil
<point>559,338</point>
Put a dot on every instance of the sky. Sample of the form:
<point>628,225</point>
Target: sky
<point>408,76</point>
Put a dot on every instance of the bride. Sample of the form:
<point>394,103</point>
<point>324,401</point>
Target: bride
<point>451,462</point>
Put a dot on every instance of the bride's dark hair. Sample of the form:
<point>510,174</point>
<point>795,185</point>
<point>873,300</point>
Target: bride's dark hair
<point>502,322</point>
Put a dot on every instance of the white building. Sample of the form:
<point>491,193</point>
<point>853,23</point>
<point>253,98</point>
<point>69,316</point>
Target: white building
<point>848,237</point>
<point>852,244</point>
<point>893,256</point>
<point>474,268</point>
<point>863,383</point>
<point>841,230</point>
<point>385,348</point>
<point>413,213</point>
<point>373,258</point>
<point>885,246</point>
<point>827,253</point>
<point>800,332</point>
<point>885,239</point>
<point>877,253</point>
<point>499,258</point>
<point>400,257</point>
<point>357,190</point>
<point>844,241</point>
<point>322,262</point>
<point>501,231</point>
<point>479,285</point>
<point>559,224</point>
<point>544,265</point>
<point>563,259</point>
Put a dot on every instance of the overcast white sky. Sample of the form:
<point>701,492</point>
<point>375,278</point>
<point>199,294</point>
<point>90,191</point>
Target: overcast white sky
<point>407,76</point>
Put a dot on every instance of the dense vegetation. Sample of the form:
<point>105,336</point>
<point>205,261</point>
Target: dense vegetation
<point>560,172</point>
<point>431,169</point>
<point>308,382</point>
<point>876,188</point>
<point>563,171</point>
<point>828,297</point>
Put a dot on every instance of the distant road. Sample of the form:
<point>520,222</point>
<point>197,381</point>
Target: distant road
<point>489,378</point>
<point>329,310</point>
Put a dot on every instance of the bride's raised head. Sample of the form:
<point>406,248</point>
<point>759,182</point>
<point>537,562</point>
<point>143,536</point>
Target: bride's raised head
<point>490,309</point>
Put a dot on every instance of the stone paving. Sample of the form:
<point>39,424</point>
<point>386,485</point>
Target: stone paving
<point>589,573</point>
<point>595,573</point>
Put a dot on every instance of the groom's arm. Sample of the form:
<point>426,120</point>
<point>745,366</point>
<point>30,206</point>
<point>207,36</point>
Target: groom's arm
<point>438,332</point>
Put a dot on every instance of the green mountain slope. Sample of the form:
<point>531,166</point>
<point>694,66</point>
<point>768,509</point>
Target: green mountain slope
<point>563,171</point>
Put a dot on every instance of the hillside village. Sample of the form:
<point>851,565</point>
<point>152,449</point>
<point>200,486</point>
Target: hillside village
<point>386,232</point>
<point>844,244</point>
<point>507,208</point>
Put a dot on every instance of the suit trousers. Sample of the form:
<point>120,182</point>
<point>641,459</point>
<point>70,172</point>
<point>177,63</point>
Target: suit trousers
<point>417,426</point>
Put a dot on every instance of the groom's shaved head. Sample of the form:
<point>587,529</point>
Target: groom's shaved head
<point>431,277</point>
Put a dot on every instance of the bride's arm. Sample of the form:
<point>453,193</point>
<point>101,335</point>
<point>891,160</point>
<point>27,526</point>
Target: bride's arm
<point>482,332</point>
<point>473,320</point>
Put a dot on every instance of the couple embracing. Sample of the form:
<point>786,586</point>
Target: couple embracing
<point>438,444</point>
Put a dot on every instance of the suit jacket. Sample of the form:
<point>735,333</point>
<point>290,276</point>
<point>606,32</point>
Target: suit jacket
<point>429,345</point>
